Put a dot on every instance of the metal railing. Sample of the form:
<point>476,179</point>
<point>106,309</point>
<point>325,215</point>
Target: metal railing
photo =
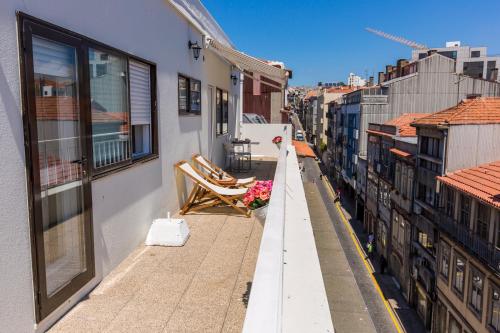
<point>484,250</point>
<point>110,148</point>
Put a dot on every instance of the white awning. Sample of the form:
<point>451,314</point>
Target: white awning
<point>248,63</point>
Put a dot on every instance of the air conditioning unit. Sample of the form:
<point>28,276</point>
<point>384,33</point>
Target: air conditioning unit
<point>356,134</point>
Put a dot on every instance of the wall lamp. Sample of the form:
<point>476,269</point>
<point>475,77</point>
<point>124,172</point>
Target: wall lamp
<point>234,78</point>
<point>196,49</point>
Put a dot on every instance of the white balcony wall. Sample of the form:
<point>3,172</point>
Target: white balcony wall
<point>125,203</point>
<point>262,135</point>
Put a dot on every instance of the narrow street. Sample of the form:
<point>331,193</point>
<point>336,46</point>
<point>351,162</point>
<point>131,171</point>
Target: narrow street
<point>355,300</point>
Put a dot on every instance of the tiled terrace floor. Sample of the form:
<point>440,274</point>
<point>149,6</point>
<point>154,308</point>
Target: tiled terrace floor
<point>200,287</point>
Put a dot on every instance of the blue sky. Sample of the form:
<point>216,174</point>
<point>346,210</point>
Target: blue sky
<point>325,40</point>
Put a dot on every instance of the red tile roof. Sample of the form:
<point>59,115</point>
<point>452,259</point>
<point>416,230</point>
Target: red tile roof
<point>340,90</point>
<point>484,110</point>
<point>403,123</point>
<point>481,182</point>
<point>399,152</point>
<point>303,149</point>
<point>311,93</point>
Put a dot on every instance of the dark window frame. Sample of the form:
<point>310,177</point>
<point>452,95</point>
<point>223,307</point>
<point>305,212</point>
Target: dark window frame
<point>475,271</point>
<point>86,43</point>
<point>219,109</point>
<point>459,293</point>
<point>493,288</point>
<point>187,112</point>
<point>445,275</point>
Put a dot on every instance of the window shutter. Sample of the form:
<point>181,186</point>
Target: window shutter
<point>140,93</point>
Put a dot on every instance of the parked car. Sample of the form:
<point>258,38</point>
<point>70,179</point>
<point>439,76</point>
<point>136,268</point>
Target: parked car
<point>253,118</point>
<point>299,135</point>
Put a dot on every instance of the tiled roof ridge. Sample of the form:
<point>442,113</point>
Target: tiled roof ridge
<point>480,110</point>
<point>482,182</point>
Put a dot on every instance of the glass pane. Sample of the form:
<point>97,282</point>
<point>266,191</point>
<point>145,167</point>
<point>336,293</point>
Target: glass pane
<point>195,96</point>
<point>109,103</point>
<point>183,94</point>
<point>225,106</point>
<point>218,110</point>
<point>60,154</point>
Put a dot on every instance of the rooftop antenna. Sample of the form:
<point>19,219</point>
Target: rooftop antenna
<point>401,40</point>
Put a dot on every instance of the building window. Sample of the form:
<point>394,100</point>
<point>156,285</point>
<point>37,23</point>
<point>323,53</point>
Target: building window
<point>445,261</point>
<point>425,240</point>
<point>397,178</point>
<point>441,318</point>
<point>490,67</point>
<point>459,275</point>
<point>426,194</point>
<point>475,54</point>
<point>482,221</point>
<point>431,146</point>
<point>189,95</point>
<point>454,326</point>
<point>464,210</point>
<point>474,69</point>
<point>222,105</point>
<point>476,281</point>
<point>450,202</point>
<point>403,179</point>
<point>110,110</point>
<point>494,311</point>
<point>141,108</point>
<point>409,186</point>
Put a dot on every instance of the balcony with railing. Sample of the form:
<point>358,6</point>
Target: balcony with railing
<point>482,249</point>
<point>233,274</point>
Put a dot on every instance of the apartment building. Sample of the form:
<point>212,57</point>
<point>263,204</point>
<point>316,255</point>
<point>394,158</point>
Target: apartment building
<point>470,61</point>
<point>389,192</point>
<point>311,115</point>
<point>468,281</point>
<point>426,85</point>
<point>89,106</point>
<point>457,138</point>
<point>325,96</point>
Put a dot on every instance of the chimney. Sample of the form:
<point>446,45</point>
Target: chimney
<point>381,77</point>
<point>431,52</point>
<point>400,64</point>
<point>388,69</point>
<point>370,81</point>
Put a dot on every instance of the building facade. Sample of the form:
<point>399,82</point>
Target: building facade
<point>89,106</point>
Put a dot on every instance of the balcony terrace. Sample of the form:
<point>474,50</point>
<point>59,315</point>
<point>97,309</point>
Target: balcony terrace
<point>230,276</point>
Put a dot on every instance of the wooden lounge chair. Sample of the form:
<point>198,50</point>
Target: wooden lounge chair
<point>219,176</point>
<point>206,194</point>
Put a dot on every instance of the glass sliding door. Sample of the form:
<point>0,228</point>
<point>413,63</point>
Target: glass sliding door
<point>60,188</point>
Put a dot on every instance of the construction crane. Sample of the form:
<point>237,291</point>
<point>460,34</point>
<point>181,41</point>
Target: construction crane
<point>397,39</point>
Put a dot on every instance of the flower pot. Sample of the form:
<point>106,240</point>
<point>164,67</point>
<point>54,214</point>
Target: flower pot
<point>261,213</point>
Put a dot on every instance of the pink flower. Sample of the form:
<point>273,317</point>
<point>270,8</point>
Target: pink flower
<point>264,195</point>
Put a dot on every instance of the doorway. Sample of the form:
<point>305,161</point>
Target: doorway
<point>57,168</point>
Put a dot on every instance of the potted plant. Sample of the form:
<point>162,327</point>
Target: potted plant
<point>277,141</point>
<point>257,198</point>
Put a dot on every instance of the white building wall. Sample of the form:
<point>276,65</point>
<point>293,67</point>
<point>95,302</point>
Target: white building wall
<point>123,207</point>
<point>472,145</point>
